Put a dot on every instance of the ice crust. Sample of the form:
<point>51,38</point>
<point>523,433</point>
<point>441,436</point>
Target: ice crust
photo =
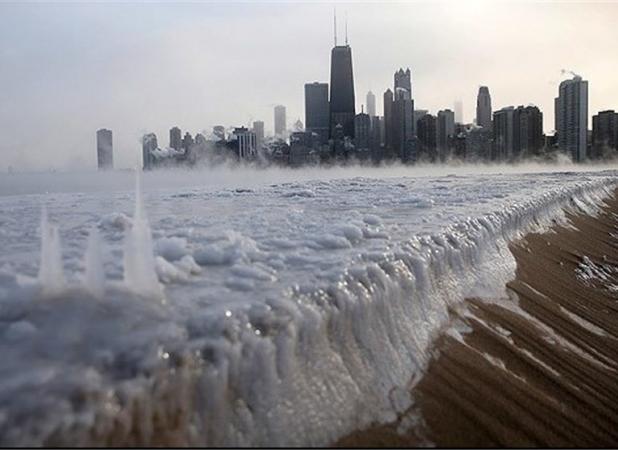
<point>291,314</point>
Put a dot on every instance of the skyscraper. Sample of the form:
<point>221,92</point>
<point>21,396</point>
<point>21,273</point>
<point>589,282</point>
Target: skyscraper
<point>530,130</point>
<point>246,143</point>
<point>517,132</point>
<point>445,132</point>
<point>426,131</point>
<point>403,80</point>
<point>317,110</point>
<point>572,117</point>
<point>371,104</point>
<point>176,138</point>
<point>505,133</point>
<point>388,119</point>
<point>483,108</point>
<point>605,134</point>
<point>342,109</point>
<point>362,128</point>
<point>105,149</point>
<point>258,129</point>
<point>280,122</point>
<point>149,145</point>
<point>402,127</point>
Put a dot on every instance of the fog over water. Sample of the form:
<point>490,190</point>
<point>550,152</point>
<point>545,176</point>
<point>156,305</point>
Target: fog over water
<point>228,177</point>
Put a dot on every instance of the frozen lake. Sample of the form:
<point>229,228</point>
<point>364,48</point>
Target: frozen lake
<point>288,300</point>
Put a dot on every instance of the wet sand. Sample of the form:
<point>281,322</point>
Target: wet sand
<point>537,369</point>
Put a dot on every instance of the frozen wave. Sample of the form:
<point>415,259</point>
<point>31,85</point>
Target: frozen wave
<point>283,327</point>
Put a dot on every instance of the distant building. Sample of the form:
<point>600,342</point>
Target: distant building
<point>376,140</point>
<point>149,145</point>
<point>362,132</point>
<point>483,108</point>
<point>317,110</point>
<point>304,148</point>
<point>388,119</point>
<point>258,129</point>
<point>246,143</point>
<point>530,128</point>
<point>176,138</point>
<point>105,149</point>
<point>426,132</point>
<point>403,80</point>
<point>505,134</point>
<point>402,128</point>
<point>479,144</point>
<point>371,104</point>
<point>280,122</point>
<point>417,115</point>
<point>572,117</point>
<point>445,133</point>
<point>219,132</point>
<point>605,134</point>
<point>342,102</point>
<point>517,133</point>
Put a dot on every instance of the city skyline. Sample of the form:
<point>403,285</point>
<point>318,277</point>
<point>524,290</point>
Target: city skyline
<point>65,127</point>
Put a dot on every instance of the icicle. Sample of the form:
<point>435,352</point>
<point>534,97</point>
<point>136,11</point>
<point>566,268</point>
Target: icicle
<point>139,262</point>
<point>51,273</point>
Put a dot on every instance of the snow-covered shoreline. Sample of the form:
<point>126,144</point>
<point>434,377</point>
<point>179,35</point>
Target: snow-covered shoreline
<point>314,306</point>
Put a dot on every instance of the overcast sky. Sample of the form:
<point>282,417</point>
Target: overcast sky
<point>67,69</point>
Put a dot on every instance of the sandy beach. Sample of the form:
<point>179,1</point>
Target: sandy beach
<point>536,368</point>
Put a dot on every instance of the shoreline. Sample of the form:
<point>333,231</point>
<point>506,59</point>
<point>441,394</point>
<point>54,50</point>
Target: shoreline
<point>536,369</point>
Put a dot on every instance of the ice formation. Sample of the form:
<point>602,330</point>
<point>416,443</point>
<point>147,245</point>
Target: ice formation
<point>139,262</point>
<point>51,273</point>
<point>290,319</point>
<point>95,274</point>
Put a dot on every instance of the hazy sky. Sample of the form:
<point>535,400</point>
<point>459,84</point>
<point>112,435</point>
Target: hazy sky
<point>67,69</point>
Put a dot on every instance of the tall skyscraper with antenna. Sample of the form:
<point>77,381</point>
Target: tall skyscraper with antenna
<point>342,110</point>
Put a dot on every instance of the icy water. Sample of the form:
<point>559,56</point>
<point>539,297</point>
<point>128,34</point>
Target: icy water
<point>245,312</point>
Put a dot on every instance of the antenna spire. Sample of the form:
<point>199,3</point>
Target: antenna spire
<point>335,25</point>
<point>346,28</point>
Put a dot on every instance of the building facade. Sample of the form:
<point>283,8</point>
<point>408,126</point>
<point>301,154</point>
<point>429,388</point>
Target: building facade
<point>362,132</point>
<point>483,108</point>
<point>426,132</point>
<point>317,110</point>
<point>105,149</point>
<point>445,134</point>
<point>402,127</point>
<point>605,135</point>
<point>504,131</point>
<point>388,120</point>
<point>149,145</point>
<point>246,143</point>
<point>258,129</point>
<point>280,122</point>
<point>175,138</point>
<point>371,104</point>
<point>572,117</point>
<point>403,80</point>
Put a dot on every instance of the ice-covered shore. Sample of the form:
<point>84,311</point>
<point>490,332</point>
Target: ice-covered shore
<point>291,313</point>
